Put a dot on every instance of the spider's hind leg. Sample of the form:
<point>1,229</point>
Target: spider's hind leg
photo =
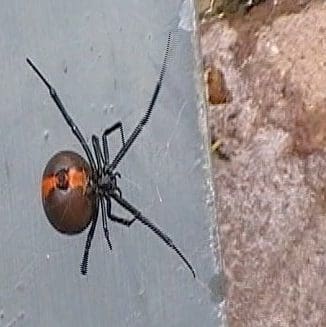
<point>90,235</point>
<point>122,221</point>
<point>105,223</point>
<point>116,219</point>
<point>166,239</point>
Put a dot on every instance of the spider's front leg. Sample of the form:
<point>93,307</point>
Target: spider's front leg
<point>144,120</point>
<point>66,116</point>
<point>105,137</point>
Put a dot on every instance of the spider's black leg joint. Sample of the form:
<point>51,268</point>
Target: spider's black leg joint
<point>118,190</point>
<point>148,112</point>
<point>66,116</point>
<point>106,133</point>
<point>90,235</point>
<point>122,221</point>
<point>167,240</point>
<point>105,223</point>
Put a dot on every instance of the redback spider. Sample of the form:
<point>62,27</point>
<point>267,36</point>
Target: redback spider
<point>73,189</point>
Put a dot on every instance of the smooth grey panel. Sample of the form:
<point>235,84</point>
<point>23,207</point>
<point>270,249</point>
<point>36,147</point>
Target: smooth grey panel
<point>103,57</point>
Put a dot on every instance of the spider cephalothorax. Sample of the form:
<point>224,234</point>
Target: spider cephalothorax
<point>74,189</point>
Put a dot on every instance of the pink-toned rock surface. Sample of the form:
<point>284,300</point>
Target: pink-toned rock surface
<point>271,191</point>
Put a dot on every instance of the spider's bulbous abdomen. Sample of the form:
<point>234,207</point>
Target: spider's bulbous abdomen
<point>67,195</point>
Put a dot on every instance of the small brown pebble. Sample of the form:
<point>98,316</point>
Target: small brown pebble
<point>217,92</point>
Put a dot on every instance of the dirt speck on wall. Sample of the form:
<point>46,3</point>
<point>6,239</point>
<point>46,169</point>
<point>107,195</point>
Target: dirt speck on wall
<point>271,190</point>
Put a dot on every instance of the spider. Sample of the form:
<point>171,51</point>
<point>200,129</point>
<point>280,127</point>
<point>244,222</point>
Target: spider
<point>73,189</point>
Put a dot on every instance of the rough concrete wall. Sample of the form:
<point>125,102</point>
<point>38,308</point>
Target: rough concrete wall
<point>269,137</point>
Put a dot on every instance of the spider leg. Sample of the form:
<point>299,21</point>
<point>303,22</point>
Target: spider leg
<point>148,112</point>
<point>98,153</point>
<point>105,135</point>
<point>90,235</point>
<point>66,116</point>
<point>122,221</point>
<point>99,160</point>
<point>138,215</point>
<point>105,223</point>
<point>118,190</point>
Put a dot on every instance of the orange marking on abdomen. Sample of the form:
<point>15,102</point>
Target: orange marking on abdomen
<point>77,178</point>
<point>48,184</point>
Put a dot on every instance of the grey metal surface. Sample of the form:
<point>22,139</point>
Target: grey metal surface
<point>103,57</point>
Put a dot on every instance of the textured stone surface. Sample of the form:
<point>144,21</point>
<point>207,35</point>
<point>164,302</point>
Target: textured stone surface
<point>271,193</point>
